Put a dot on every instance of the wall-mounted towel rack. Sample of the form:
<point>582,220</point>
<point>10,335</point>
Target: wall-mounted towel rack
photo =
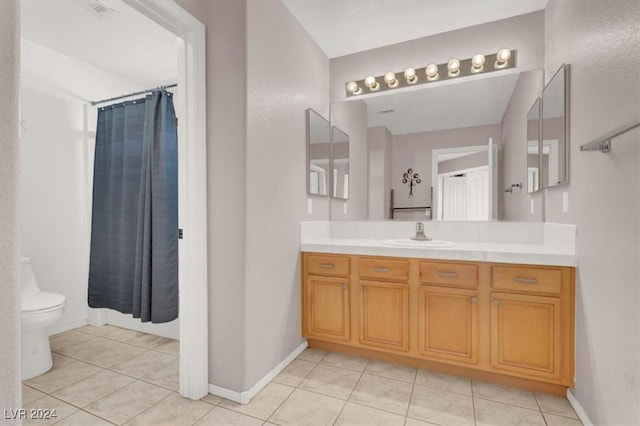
<point>393,208</point>
<point>603,143</point>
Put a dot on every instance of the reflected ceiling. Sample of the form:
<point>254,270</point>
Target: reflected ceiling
<point>440,107</point>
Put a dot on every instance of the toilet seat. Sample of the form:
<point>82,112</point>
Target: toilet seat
<point>42,302</point>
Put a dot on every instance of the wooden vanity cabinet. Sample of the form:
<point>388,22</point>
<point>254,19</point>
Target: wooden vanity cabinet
<point>326,300</point>
<point>383,303</point>
<point>507,323</point>
<point>532,321</point>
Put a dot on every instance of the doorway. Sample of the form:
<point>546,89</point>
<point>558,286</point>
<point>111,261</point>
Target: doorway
<point>190,104</point>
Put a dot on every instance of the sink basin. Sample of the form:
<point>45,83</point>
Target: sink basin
<point>419,244</point>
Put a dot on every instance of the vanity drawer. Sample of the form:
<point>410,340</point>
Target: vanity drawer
<point>328,265</point>
<point>385,269</point>
<point>536,280</point>
<point>452,274</point>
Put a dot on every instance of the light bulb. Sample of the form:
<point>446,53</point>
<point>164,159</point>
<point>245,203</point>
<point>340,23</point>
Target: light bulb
<point>454,67</point>
<point>410,76</point>
<point>352,87</point>
<point>390,79</point>
<point>477,63</point>
<point>502,58</point>
<point>432,72</point>
<point>371,83</point>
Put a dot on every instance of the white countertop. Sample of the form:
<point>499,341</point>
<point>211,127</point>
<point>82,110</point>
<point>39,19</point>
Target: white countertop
<point>534,254</point>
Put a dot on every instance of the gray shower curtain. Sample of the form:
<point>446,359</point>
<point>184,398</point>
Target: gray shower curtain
<point>134,231</point>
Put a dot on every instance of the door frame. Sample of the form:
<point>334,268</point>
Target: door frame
<point>192,184</point>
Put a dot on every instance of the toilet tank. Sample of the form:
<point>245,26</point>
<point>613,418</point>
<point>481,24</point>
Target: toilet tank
<point>29,284</point>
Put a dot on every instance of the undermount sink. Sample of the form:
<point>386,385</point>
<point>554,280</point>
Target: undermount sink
<point>419,244</point>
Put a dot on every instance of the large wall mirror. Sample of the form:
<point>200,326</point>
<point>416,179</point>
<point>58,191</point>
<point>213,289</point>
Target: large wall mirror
<point>533,148</point>
<point>340,164</point>
<point>318,154</point>
<point>404,127</point>
<point>555,143</point>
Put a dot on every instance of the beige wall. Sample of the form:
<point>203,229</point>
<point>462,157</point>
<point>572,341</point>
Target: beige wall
<point>225,22</point>
<point>10,393</point>
<point>414,151</point>
<point>601,42</point>
<point>287,73</point>
<point>379,145</point>
<point>263,71</point>
<point>512,160</point>
<point>351,118</point>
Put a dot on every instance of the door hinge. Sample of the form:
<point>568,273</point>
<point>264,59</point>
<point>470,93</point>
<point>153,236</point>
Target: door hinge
<point>180,233</point>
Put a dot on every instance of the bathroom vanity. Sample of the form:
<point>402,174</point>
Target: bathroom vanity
<point>454,310</point>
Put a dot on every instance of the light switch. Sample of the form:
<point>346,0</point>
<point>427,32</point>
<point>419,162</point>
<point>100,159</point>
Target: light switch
<point>565,202</point>
<point>533,208</point>
<point>344,208</point>
<point>309,205</point>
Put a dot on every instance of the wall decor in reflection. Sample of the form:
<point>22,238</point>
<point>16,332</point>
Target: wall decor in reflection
<point>412,179</point>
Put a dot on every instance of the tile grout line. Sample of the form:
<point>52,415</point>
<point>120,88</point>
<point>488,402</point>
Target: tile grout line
<point>473,402</point>
<point>294,388</point>
<point>413,386</point>
<point>352,390</point>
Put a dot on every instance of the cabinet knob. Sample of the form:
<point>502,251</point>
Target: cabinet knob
<point>474,300</point>
<point>496,302</point>
<point>344,286</point>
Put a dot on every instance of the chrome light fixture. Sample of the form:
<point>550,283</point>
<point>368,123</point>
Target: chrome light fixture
<point>390,79</point>
<point>454,68</point>
<point>502,58</point>
<point>353,88</point>
<point>434,72</point>
<point>371,83</point>
<point>477,63</point>
<point>410,76</point>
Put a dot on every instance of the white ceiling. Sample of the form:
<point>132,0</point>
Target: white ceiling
<point>122,42</point>
<point>342,27</point>
<point>440,107</point>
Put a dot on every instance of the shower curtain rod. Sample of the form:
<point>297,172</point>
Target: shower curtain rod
<point>94,103</point>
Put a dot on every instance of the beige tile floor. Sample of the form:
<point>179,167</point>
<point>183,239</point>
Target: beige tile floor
<point>109,375</point>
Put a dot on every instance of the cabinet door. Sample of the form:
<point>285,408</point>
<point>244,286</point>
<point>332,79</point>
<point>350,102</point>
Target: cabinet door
<point>327,308</point>
<point>448,327</point>
<point>384,315</point>
<point>526,334</point>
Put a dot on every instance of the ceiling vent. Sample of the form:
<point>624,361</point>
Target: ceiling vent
<point>96,7</point>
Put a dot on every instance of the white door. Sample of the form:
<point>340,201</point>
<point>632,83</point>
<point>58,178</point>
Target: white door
<point>454,195</point>
<point>477,195</point>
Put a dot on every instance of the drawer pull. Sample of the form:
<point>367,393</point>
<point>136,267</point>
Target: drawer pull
<point>496,302</point>
<point>344,286</point>
<point>447,274</point>
<point>474,300</point>
<point>525,280</point>
<point>327,266</point>
<point>382,269</point>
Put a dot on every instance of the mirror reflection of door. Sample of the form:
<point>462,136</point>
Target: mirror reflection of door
<point>464,183</point>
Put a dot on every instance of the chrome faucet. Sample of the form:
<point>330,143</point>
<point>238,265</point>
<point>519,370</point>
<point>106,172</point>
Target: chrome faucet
<point>420,235</point>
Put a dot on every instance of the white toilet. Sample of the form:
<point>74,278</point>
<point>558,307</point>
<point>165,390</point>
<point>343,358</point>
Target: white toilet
<point>40,310</point>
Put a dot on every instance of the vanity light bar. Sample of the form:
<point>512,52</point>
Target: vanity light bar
<point>455,68</point>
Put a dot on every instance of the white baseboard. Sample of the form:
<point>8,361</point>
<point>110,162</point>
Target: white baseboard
<point>66,327</point>
<point>245,397</point>
<point>586,421</point>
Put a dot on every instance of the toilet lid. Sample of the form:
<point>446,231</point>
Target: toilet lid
<point>41,300</point>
